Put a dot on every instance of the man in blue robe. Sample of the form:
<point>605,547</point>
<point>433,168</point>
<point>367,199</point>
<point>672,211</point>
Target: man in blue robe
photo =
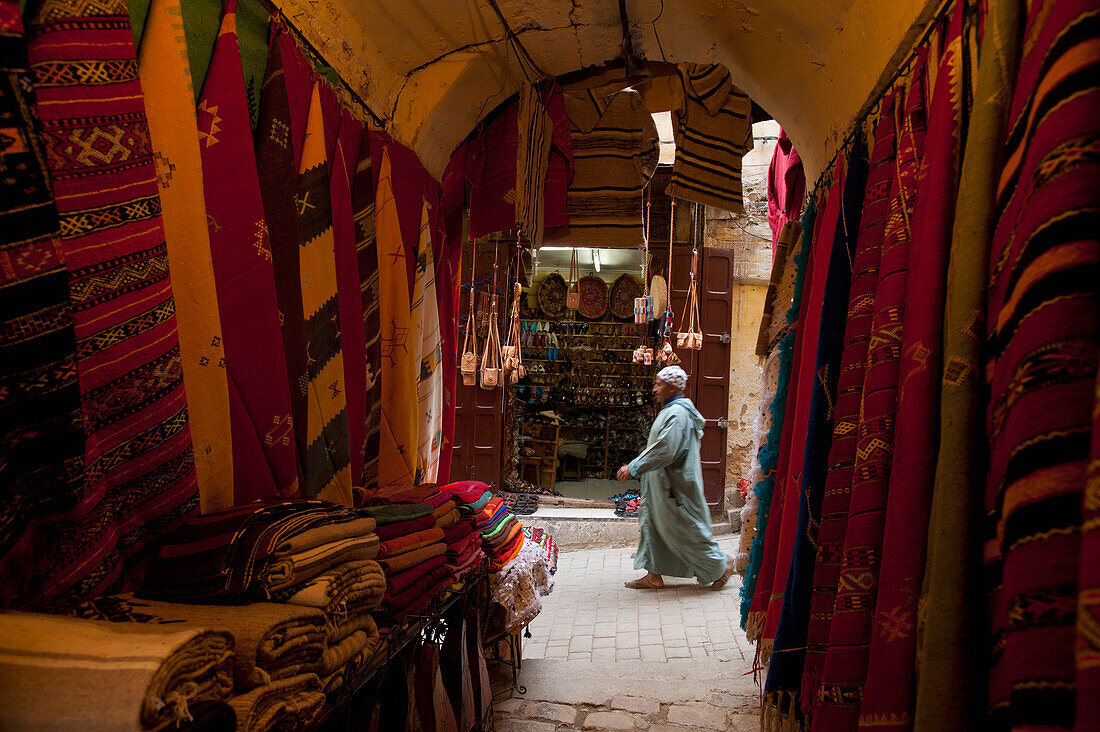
<point>673,516</point>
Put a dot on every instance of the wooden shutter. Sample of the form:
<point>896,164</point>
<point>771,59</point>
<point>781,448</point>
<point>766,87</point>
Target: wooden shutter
<point>712,370</point>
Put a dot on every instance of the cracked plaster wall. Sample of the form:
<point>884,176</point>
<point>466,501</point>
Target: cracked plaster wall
<point>433,68</point>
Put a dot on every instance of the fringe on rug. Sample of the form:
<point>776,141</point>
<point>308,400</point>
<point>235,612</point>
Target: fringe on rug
<point>755,625</point>
<point>779,712</point>
<point>766,645</point>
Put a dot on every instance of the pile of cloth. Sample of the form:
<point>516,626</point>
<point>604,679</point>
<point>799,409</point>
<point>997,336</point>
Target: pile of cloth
<point>306,574</point>
<point>501,533</point>
<point>517,590</point>
<point>59,672</point>
<point>464,554</point>
<point>412,556</point>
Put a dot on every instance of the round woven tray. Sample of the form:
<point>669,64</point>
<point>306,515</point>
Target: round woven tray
<point>593,297</point>
<point>623,292</point>
<point>551,295</point>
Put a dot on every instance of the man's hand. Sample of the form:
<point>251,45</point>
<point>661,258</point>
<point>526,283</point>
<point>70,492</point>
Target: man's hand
<point>624,474</point>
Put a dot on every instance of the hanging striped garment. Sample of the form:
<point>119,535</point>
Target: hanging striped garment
<point>889,692</point>
<point>166,81</point>
<point>366,249</point>
<point>327,467</point>
<point>429,388</point>
<point>399,349</point>
<point>40,431</point>
<point>201,22</point>
<point>352,336</point>
<point>287,90</point>
<point>853,366</point>
<point>139,478</point>
<point>713,131</point>
<point>845,669</point>
<point>612,163</point>
<point>264,463</point>
<point>1041,337</point>
<point>532,156</point>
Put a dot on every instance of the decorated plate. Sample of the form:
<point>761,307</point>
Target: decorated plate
<point>593,297</point>
<point>551,295</point>
<point>623,292</point>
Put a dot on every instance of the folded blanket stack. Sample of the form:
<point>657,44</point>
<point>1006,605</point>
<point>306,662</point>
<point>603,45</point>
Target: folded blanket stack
<point>73,673</point>
<point>411,554</point>
<point>464,552</point>
<point>314,564</point>
<point>501,533</point>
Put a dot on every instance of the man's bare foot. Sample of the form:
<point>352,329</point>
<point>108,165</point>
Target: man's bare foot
<point>721,581</point>
<point>649,582</point>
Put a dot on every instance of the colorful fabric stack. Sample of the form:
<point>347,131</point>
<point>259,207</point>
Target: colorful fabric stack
<point>501,534</point>
<point>411,555</point>
<point>72,673</point>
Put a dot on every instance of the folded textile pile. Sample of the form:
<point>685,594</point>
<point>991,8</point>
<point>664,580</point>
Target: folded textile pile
<point>290,703</point>
<point>247,552</point>
<point>273,641</point>
<point>501,533</point>
<point>411,554</point>
<point>464,552</point>
<point>72,673</point>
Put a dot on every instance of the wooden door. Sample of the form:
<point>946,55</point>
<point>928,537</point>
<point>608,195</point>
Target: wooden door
<point>712,369</point>
<point>477,440</point>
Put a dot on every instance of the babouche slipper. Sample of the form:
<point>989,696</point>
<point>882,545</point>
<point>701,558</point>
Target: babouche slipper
<point>721,581</point>
<point>644,583</point>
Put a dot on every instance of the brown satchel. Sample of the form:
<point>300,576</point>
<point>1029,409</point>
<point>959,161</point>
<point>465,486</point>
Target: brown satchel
<point>490,356</point>
<point>573,294</point>
<point>468,363</point>
<point>693,336</point>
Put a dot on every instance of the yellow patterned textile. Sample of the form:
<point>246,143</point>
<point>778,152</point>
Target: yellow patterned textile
<point>326,466</point>
<point>429,388</point>
<point>166,82</point>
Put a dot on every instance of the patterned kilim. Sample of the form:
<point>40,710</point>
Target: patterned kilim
<point>326,464</point>
<point>1042,334</point>
<point>845,669</point>
<point>40,433</point>
<point>612,163</point>
<point>429,386</point>
<point>352,337</point>
<point>416,330</point>
<point>139,475</point>
<point>287,89</point>
<point>952,641</point>
<point>791,455</point>
<point>768,454</point>
<point>166,81</point>
<point>789,651</point>
<point>362,203</point>
<point>849,397</point>
<point>399,352</point>
<point>889,692</point>
<point>713,131</point>
<point>200,21</point>
<point>259,397</point>
<point>447,279</point>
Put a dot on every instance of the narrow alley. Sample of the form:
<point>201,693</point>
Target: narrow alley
<point>604,657</point>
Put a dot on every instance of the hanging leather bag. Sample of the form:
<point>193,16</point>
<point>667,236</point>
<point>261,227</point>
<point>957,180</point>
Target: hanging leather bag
<point>573,294</point>
<point>468,362</point>
<point>490,356</point>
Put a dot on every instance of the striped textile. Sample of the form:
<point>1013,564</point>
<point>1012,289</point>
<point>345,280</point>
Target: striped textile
<point>326,463</point>
<point>166,81</point>
<point>1041,336</point>
<point>845,668</point>
<point>429,387</point>
<point>68,673</point>
<point>713,131</point>
<point>352,336</point>
<point>889,692</point>
<point>612,164</point>
<point>40,431</point>
<point>853,365</point>
<point>139,477</point>
<point>286,90</point>
<point>536,131</point>
<point>952,625</point>
<point>398,431</point>
<point>784,678</point>
<point>366,249</point>
<point>264,462</point>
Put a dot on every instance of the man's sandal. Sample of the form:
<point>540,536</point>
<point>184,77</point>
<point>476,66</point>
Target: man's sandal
<point>644,583</point>
<point>721,581</point>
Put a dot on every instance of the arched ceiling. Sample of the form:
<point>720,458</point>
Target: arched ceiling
<point>432,68</point>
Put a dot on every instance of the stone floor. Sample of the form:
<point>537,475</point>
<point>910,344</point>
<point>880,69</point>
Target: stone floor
<point>603,657</point>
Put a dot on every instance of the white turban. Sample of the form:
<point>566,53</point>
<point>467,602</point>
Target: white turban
<point>673,376</point>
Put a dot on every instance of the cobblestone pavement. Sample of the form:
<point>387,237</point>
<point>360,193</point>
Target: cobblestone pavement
<point>604,657</point>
